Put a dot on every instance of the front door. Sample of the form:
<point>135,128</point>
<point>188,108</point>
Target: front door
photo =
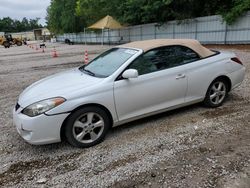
<point>161,84</point>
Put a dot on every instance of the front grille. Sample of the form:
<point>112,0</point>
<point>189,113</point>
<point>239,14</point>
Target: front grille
<point>17,106</point>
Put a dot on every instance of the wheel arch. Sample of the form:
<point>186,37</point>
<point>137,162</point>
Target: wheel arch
<point>225,78</point>
<point>84,106</point>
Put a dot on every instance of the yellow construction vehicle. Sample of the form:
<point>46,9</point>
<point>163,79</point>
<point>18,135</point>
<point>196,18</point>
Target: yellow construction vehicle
<point>7,41</point>
<point>4,42</point>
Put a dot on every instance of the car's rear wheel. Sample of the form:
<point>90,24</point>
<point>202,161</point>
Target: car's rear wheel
<point>87,127</point>
<point>216,93</point>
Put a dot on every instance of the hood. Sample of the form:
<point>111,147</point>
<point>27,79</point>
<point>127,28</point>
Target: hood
<point>57,85</point>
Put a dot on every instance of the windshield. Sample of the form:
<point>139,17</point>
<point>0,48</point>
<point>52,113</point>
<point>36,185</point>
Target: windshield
<point>108,62</point>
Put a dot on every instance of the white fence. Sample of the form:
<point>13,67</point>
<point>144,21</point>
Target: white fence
<point>208,30</point>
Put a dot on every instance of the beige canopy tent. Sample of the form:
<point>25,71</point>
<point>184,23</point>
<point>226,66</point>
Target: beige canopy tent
<point>108,22</point>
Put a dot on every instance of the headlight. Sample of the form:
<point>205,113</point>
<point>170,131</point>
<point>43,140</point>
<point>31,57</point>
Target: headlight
<point>42,106</point>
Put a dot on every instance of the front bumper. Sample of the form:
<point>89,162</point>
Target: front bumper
<point>42,129</point>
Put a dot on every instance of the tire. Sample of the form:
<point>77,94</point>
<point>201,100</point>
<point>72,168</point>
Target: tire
<point>87,127</point>
<point>217,93</point>
<point>18,43</point>
<point>6,44</point>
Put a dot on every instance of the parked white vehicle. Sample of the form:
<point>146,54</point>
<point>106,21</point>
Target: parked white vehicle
<point>125,83</point>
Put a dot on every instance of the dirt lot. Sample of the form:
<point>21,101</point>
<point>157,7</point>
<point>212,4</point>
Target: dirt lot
<point>189,147</point>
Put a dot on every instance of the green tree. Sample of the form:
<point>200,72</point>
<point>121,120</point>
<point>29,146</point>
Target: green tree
<point>238,8</point>
<point>9,25</point>
<point>61,17</point>
<point>93,10</point>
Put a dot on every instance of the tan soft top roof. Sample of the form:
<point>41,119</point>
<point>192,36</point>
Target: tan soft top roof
<point>147,45</point>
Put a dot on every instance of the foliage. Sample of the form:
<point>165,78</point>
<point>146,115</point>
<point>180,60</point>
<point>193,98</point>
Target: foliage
<point>239,7</point>
<point>127,11</point>
<point>73,15</point>
<point>61,17</point>
<point>9,25</point>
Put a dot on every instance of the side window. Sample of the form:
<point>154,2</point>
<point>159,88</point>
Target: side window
<point>163,58</point>
<point>145,63</point>
<point>187,54</point>
<point>153,60</point>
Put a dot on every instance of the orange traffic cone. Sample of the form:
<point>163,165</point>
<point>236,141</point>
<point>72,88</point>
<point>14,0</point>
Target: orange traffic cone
<point>86,57</point>
<point>54,54</point>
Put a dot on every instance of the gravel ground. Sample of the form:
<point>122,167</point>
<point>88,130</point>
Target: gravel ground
<point>189,147</point>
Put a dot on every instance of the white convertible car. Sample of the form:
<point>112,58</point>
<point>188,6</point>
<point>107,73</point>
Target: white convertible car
<point>123,84</point>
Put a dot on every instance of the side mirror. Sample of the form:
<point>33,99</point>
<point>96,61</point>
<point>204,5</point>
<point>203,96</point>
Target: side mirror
<point>130,73</point>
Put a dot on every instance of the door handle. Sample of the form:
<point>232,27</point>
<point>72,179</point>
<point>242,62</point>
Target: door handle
<point>180,76</point>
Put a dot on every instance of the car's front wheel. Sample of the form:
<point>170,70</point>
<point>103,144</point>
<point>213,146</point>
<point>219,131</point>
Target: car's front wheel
<point>87,127</point>
<point>216,93</point>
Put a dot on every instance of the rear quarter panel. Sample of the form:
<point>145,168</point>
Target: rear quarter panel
<point>200,75</point>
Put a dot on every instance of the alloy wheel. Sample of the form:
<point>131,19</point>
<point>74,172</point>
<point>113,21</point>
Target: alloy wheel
<point>88,127</point>
<point>217,92</point>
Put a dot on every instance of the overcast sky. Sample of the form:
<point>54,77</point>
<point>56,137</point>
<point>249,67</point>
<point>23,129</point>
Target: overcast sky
<point>17,9</point>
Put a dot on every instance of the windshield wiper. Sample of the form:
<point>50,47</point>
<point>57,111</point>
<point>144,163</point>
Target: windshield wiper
<point>88,71</point>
